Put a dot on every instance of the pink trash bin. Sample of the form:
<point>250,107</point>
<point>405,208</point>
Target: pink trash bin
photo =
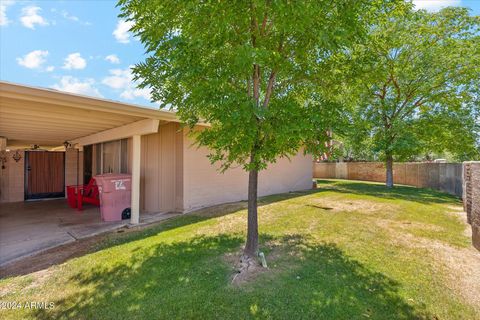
<point>115,191</point>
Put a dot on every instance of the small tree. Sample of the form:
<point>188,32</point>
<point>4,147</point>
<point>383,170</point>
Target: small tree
<point>246,68</point>
<point>419,85</point>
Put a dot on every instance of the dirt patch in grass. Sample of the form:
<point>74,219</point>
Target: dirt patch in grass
<point>37,279</point>
<point>281,254</point>
<point>244,273</point>
<point>364,206</point>
<point>244,270</point>
<point>461,265</point>
<point>221,210</point>
<point>458,212</point>
<point>406,225</point>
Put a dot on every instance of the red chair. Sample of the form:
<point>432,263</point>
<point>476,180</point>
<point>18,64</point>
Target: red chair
<point>72,196</point>
<point>80,194</point>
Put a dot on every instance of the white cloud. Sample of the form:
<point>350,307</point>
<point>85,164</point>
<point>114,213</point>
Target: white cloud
<point>66,15</point>
<point>74,61</point>
<point>4,4</point>
<point>69,16</point>
<point>118,79</point>
<point>49,68</point>
<point>112,58</point>
<point>74,85</point>
<point>131,94</point>
<point>121,31</point>
<point>30,17</point>
<point>122,79</point>
<point>434,5</point>
<point>33,60</point>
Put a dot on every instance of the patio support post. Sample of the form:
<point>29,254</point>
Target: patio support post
<point>136,147</point>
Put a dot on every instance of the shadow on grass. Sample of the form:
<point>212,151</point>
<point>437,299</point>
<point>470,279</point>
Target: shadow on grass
<point>82,247</point>
<point>421,195</point>
<point>190,280</point>
<point>31,264</point>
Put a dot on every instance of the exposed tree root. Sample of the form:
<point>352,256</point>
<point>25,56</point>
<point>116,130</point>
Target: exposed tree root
<point>246,269</point>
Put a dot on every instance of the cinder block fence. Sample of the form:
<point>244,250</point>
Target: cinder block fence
<point>459,179</point>
<point>471,199</point>
<point>446,177</point>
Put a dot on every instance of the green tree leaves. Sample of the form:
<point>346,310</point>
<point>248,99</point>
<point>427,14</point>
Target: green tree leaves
<point>249,68</point>
<point>417,83</point>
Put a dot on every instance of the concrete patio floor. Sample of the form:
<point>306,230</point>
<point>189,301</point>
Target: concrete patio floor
<point>27,228</point>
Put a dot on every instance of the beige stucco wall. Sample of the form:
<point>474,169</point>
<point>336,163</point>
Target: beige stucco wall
<point>204,185</point>
<point>176,176</point>
<point>12,178</point>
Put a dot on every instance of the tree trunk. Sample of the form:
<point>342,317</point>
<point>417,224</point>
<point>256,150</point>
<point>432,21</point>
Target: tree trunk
<point>251,247</point>
<point>389,165</point>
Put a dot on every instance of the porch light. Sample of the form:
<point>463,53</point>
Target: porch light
<point>17,156</point>
<point>3,158</point>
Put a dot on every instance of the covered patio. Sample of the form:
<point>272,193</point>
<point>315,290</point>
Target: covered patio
<point>37,119</point>
<point>28,228</point>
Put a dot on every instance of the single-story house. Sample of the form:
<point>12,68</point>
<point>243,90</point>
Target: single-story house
<point>51,139</point>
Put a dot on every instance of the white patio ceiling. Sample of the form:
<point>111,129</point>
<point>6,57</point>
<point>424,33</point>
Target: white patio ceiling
<point>48,117</point>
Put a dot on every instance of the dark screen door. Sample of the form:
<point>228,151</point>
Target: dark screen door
<point>87,163</point>
<point>44,174</point>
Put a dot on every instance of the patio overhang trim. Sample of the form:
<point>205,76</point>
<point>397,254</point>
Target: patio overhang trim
<point>48,118</point>
<point>54,97</point>
<point>141,127</point>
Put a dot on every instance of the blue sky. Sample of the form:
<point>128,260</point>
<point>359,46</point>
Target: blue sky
<point>83,47</point>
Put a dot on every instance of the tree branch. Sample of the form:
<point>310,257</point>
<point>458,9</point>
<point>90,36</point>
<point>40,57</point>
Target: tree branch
<point>271,79</point>
<point>256,67</point>
<point>268,92</point>
<point>265,18</point>
<point>397,87</point>
<point>256,83</point>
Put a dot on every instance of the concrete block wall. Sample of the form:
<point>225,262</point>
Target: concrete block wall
<point>446,177</point>
<point>341,171</point>
<point>327,170</point>
<point>467,190</point>
<point>459,179</point>
<point>471,200</point>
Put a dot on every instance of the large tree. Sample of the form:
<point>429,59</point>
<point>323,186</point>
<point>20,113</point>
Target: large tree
<point>418,89</point>
<point>245,67</point>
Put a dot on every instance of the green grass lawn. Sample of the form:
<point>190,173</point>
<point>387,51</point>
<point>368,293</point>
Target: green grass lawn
<point>348,250</point>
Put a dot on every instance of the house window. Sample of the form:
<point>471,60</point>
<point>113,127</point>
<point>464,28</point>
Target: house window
<point>111,157</point>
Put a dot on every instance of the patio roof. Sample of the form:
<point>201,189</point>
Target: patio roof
<point>47,117</point>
